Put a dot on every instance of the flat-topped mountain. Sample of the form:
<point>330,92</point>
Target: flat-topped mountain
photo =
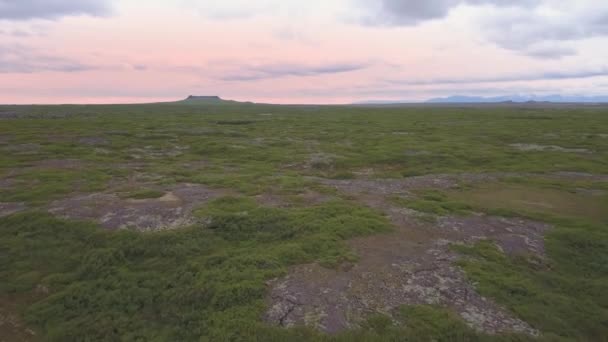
<point>204,98</point>
<point>209,100</point>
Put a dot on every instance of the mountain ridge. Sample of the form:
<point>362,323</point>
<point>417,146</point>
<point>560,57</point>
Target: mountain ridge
<point>519,99</point>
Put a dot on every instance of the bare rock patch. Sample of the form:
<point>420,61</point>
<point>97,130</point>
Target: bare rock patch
<point>94,141</point>
<point>23,149</point>
<point>64,164</point>
<point>513,235</point>
<point>6,183</point>
<point>12,327</point>
<point>550,148</point>
<point>581,176</point>
<point>173,210</point>
<point>157,153</point>
<point>384,187</point>
<point>11,208</point>
<point>413,265</point>
<point>321,161</point>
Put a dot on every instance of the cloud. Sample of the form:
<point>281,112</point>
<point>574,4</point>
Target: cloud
<point>550,52</point>
<point>292,34</point>
<point>405,13</point>
<point>413,12</point>
<point>242,9</point>
<point>20,33</point>
<point>232,11</point>
<point>536,28</point>
<point>16,33</point>
<point>20,59</point>
<point>51,9</point>
<point>139,67</point>
<point>270,71</point>
<point>545,31</point>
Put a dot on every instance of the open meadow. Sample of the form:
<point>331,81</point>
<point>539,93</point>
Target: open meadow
<point>216,220</point>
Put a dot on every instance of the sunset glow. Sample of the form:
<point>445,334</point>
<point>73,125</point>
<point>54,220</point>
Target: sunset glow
<point>336,51</point>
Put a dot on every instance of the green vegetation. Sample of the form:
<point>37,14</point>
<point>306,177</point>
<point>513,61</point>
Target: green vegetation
<point>73,281</point>
<point>434,202</point>
<point>563,296</point>
<point>40,185</point>
<point>249,147</point>
<point>529,199</point>
<point>199,281</point>
<point>185,285</point>
<point>144,194</point>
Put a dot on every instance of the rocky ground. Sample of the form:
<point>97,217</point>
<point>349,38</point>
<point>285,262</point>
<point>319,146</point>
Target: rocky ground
<point>172,210</point>
<point>412,265</point>
<point>11,208</point>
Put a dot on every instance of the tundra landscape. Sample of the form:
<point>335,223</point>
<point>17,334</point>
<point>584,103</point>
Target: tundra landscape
<point>219,220</point>
<point>286,170</point>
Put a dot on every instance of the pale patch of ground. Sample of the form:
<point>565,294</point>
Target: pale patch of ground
<point>196,164</point>
<point>65,164</point>
<point>321,161</point>
<point>514,236</point>
<point>6,183</point>
<point>581,175</point>
<point>94,141</point>
<point>366,172</point>
<point>173,210</point>
<point>155,153</point>
<point>11,208</point>
<point>549,148</point>
<point>23,149</point>
<point>12,328</point>
<point>403,186</point>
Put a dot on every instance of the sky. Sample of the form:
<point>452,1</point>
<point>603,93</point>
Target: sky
<point>288,51</point>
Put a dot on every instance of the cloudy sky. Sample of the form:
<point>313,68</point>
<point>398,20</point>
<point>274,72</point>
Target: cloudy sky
<point>292,51</point>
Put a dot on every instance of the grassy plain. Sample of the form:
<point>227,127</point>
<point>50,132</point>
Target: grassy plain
<point>70,280</point>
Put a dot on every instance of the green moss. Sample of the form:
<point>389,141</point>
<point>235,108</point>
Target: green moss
<point>434,202</point>
<point>536,199</point>
<point>38,186</point>
<point>144,194</point>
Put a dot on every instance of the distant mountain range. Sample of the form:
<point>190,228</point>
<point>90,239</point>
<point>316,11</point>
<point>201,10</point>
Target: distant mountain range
<point>216,100</point>
<point>520,99</point>
<point>497,99</point>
